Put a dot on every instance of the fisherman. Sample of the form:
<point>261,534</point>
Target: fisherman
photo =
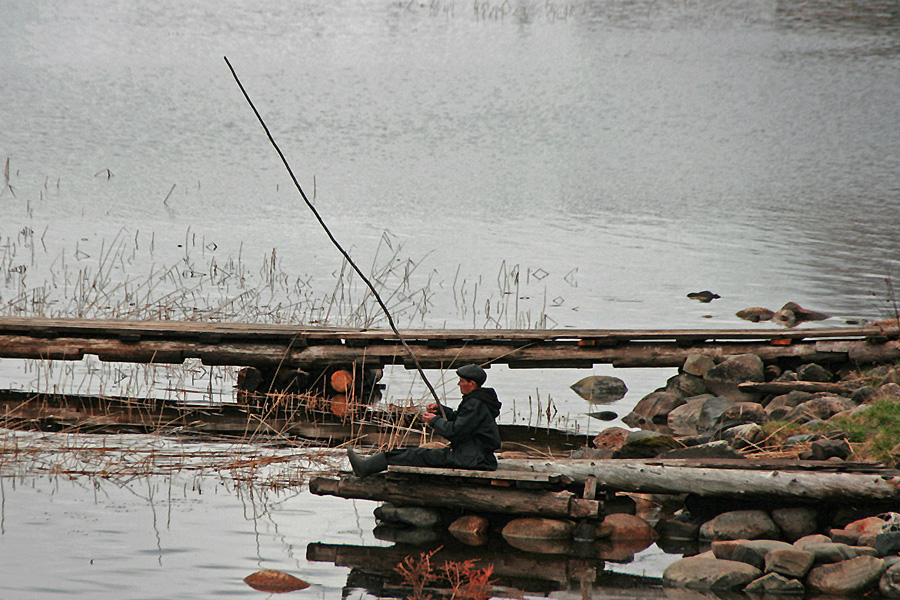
<point>471,429</point>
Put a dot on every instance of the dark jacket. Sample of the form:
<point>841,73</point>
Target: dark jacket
<point>472,430</point>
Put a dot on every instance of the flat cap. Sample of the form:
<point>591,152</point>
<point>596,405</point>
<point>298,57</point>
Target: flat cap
<point>472,373</point>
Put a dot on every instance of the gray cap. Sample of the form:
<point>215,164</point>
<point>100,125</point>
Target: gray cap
<point>472,373</point>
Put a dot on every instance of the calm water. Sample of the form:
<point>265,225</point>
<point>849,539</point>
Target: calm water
<point>616,155</point>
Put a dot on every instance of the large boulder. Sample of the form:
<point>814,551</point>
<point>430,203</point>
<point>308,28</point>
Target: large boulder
<point>753,552</point>
<point>702,573</point>
<point>849,578</point>
<point>534,534</point>
<point>686,385</point>
<point>774,584</point>
<point>740,414</point>
<point>723,379</point>
<point>742,436</point>
<point>629,527</point>
<point>698,416</point>
<point>646,444</point>
<point>414,516</point>
<point>889,584</point>
<point>740,524</point>
<point>654,408</point>
<point>471,529</point>
<point>698,364</point>
<point>796,522</point>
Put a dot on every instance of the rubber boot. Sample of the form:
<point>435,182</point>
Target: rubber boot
<point>363,467</point>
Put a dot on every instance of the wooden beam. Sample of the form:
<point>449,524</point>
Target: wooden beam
<point>646,477</point>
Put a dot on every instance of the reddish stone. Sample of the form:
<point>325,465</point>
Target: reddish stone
<point>471,530</point>
<point>629,527</point>
<point>274,582</point>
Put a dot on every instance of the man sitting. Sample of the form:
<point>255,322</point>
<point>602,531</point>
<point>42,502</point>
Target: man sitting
<point>471,429</point>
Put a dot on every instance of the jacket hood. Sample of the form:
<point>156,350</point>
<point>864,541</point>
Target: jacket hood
<point>489,397</point>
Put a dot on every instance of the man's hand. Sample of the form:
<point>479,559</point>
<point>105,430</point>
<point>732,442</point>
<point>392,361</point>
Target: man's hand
<point>429,416</point>
<point>433,408</point>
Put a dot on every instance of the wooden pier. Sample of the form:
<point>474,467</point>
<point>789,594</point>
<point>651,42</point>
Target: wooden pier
<point>303,347</point>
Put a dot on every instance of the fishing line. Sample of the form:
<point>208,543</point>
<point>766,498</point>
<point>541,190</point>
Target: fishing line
<point>337,245</point>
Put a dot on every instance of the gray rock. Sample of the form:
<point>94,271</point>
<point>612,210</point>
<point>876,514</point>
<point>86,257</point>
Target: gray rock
<point>823,407</point>
<point>814,372</point>
<point>887,543</point>
<point>740,525</point>
<point>753,552</point>
<point>825,449</point>
<point>796,522</point>
<point>850,577</point>
<point>740,414</point>
<point>779,406</point>
<point>415,516</point>
<point>698,364</point>
<point>600,389</point>
<point>723,379</point>
<point>755,314</point>
<point>862,395</point>
<point>773,583</point>
<point>653,408</point>
<point>790,562</point>
<point>889,391</point>
<point>742,436</point>
<point>701,573</point>
<point>792,314</point>
<point>686,385</point>
<point>645,444</point>
<point>889,584</point>
<point>683,419</point>
<point>832,552</point>
<point>720,449</point>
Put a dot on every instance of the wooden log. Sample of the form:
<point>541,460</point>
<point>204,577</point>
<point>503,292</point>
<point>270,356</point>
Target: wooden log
<point>645,477</point>
<point>480,499</point>
<point>342,381</point>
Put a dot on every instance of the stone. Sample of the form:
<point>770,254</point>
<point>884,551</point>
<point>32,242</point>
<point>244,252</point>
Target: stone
<point>753,552</point>
<point>743,436</point>
<point>629,527</point>
<point>740,524</point>
<point>774,583</point>
<point>720,449</point>
<point>702,573</point>
<point>600,389</point>
<point>862,395</point>
<point>723,379</point>
<point>814,372</point>
<point>698,364</point>
<point>889,583</point>
<point>755,314</point>
<point>415,516</point>
<point>893,376</point>
<point>740,414</point>
<point>274,582</point>
<point>790,562</point>
<point>795,522</point>
<point>887,543</point>
<point>888,391</point>
<point>611,438</point>
<point>792,314</point>
<point>654,408</point>
<point>825,449</point>
<point>676,529</point>
<point>686,385</point>
<point>850,577</point>
<point>683,419</point>
<point>711,412</point>
<point>471,529</point>
<point>822,407</point>
<point>816,538</point>
<point>831,552</point>
<point>645,444</point>
<point>401,534</point>
<point>857,528</point>
<point>779,406</point>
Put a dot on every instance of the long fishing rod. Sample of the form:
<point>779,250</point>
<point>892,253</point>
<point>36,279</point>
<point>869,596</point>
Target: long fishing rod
<point>340,248</point>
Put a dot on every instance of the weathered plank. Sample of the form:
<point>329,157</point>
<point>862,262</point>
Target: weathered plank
<point>400,471</point>
<point>645,477</point>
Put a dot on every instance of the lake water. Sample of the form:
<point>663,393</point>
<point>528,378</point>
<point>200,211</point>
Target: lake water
<point>517,163</point>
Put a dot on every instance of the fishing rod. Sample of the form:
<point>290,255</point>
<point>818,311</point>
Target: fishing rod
<point>337,245</point>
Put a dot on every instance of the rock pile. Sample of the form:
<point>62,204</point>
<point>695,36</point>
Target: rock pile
<point>850,561</point>
<point>706,403</point>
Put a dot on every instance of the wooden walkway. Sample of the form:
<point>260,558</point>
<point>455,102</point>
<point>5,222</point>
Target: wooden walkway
<point>300,347</point>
